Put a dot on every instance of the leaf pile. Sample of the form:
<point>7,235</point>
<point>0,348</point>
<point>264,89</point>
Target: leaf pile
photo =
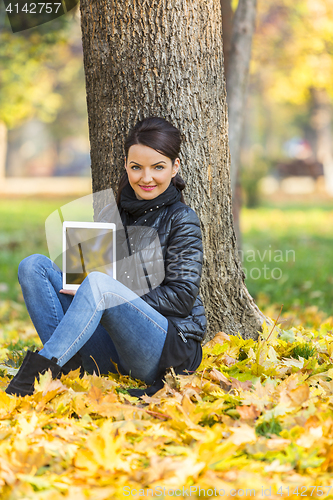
<point>256,414</point>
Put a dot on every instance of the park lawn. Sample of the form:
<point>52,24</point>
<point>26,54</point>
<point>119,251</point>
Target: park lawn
<point>287,257</point>
<point>254,420</point>
<point>22,233</point>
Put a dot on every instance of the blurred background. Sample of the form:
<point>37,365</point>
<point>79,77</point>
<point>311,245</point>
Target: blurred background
<point>285,185</point>
<point>43,112</point>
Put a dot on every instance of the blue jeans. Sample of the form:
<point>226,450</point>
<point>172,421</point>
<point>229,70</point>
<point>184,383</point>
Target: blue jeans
<point>105,321</point>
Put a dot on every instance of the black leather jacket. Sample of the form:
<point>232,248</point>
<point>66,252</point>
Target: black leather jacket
<point>175,295</point>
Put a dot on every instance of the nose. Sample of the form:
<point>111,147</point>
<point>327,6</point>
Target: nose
<point>147,177</point>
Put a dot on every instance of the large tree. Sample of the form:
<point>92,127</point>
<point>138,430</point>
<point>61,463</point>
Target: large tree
<point>164,58</point>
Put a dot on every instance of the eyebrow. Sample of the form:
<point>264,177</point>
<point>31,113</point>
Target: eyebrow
<point>151,165</point>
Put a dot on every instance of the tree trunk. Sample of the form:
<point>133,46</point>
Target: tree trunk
<point>227,24</point>
<point>321,122</point>
<point>164,58</point>
<point>237,201</point>
<point>239,55</point>
<point>238,69</point>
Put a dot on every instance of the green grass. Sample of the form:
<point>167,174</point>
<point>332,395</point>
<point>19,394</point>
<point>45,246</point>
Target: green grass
<point>299,267</point>
<point>22,233</point>
<point>304,351</point>
<point>268,428</point>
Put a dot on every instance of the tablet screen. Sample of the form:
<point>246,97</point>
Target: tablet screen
<point>87,249</point>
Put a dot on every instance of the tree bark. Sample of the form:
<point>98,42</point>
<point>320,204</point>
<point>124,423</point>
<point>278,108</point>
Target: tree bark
<point>321,122</point>
<point>165,58</point>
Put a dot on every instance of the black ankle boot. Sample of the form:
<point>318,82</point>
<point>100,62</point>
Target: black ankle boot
<point>73,364</point>
<point>33,365</point>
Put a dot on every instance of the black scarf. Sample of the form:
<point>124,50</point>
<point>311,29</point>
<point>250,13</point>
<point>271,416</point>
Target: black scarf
<point>135,208</point>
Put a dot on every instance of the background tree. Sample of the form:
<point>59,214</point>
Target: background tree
<point>292,71</point>
<point>238,29</point>
<point>165,58</point>
<point>35,67</point>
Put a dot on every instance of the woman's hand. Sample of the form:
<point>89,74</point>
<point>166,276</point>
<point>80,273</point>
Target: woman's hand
<point>68,292</point>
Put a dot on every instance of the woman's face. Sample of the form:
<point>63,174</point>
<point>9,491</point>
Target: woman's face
<point>146,167</point>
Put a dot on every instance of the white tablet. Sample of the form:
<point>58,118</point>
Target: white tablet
<point>87,247</point>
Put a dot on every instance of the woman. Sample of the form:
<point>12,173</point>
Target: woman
<point>104,321</point>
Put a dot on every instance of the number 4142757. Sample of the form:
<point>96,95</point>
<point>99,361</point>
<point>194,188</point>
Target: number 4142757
<point>32,8</point>
<point>304,491</point>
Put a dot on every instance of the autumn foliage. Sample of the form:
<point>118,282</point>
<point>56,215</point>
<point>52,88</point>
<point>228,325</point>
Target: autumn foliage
<point>256,414</point>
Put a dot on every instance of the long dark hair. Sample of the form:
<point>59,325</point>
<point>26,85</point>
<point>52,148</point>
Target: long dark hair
<point>158,134</point>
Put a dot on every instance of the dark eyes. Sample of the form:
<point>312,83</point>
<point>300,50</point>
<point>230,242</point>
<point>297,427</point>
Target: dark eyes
<point>157,166</point>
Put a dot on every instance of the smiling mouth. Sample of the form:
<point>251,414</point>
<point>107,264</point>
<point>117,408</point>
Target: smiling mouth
<point>147,187</point>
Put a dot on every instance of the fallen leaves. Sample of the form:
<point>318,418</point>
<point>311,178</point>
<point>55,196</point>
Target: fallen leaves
<point>251,415</point>
<point>219,338</point>
<point>248,412</point>
<point>243,434</point>
<point>300,394</point>
<point>229,383</point>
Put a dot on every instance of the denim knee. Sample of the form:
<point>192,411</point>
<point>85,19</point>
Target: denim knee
<point>101,280</point>
<point>29,265</point>
<point>98,284</point>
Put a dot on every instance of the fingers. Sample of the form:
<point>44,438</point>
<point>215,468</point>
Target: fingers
<point>68,292</point>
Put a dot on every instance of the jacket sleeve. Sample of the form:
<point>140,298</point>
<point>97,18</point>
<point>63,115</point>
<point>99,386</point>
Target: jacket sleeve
<point>183,263</point>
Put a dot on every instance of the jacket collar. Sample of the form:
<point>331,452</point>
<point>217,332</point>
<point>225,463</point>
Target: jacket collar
<point>136,208</point>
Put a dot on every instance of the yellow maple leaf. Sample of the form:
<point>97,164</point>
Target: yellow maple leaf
<point>242,434</point>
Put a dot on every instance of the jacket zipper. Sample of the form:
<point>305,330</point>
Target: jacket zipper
<point>179,331</point>
<point>182,336</point>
